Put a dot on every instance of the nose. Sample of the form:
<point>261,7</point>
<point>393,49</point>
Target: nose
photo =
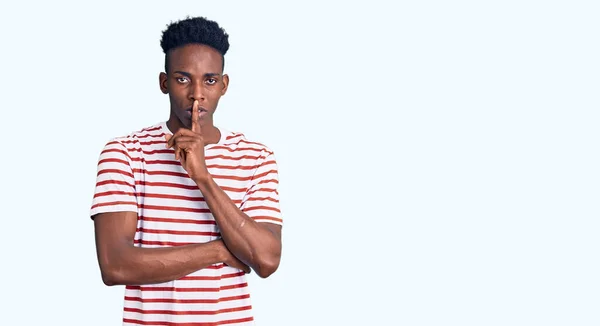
<point>197,92</point>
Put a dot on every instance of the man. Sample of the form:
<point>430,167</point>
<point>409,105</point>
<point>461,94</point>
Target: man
<point>183,210</point>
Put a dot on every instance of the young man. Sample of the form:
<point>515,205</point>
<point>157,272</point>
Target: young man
<point>183,210</point>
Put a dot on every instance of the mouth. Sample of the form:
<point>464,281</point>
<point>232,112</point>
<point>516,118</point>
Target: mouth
<point>201,112</point>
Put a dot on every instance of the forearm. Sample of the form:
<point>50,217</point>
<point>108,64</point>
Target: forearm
<point>251,242</point>
<point>137,266</point>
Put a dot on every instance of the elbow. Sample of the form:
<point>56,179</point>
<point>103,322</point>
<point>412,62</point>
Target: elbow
<point>112,274</point>
<point>109,278</point>
<point>267,267</point>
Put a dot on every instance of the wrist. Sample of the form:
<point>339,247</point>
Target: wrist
<point>203,181</point>
<point>212,250</point>
<point>220,250</point>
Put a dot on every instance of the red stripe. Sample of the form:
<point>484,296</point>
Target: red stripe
<point>212,157</point>
<point>237,158</point>
<point>116,182</point>
<point>170,173</point>
<point>266,180</point>
<point>156,151</point>
<point>188,313</point>
<point>264,174</point>
<point>162,243</point>
<point>231,177</point>
<point>179,197</point>
<point>176,220</point>
<point>176,209</point>
<point>243,190</point>
<point>115,171</point>
<point>270,218</point>
<point>151,135</point>
<point>116,150</point>
<point>238,149</point>
<point>232,167</point>
<point>113,160</point>
<point>167,323</point>
<point>152,129</point>
<point>262,207</point>
<point>114,142</point>
<point>160,300</point>
<point>153,231</point>
<point>210,166</point>
<point>234,286</point>
<point>262,198</point>
<point>176,289</point>
<point>234,135</point>
<point>167,162</point>
<point>185,175</point>
<point>211,278</point>
<point>263,190</point>
<point>176,185</point>
<point>166,184</point>
<point>115,203</point>
<point>108,193</point>
<point>171,151</point>
<point>245,141</point>
<point>152,142</point>
<point>269,162</point>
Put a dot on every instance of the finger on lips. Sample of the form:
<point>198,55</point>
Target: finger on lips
<point>185,138</point>
<point>195,114</point>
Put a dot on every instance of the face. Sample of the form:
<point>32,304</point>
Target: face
<point>195,72</point>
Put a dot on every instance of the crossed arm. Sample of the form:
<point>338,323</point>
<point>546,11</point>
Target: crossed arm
<point>244,244</point>
<point>256,244</point>
<point>122,263</point>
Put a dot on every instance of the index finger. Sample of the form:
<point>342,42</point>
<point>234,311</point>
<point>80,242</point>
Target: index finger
<point>195,124</point>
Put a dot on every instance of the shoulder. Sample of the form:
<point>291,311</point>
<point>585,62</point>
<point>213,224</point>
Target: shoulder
<point>146,136</point>
<point>240,142</point>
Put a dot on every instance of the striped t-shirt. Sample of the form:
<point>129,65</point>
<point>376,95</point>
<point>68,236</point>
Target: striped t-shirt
<point>138,173</point>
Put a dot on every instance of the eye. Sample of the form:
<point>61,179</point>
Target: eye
<point>211,81</point>
<point>182,80</point>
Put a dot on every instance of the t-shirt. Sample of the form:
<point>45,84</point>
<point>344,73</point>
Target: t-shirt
<point>138,173</point>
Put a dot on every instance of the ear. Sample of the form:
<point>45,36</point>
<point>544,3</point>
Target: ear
<point>225,84</point>
<point>162,82</point>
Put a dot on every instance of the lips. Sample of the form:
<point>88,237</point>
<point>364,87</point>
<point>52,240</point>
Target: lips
<point>201,112</point>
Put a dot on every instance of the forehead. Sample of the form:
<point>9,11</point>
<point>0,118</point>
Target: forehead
<point>195,58</point>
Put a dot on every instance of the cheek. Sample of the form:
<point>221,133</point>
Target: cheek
<point>213,94</point>
<point>172,98</point>
<point>176,95</point>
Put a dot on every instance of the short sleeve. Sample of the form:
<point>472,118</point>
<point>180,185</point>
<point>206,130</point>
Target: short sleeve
<point>261,201</point>
<point>115,184</point>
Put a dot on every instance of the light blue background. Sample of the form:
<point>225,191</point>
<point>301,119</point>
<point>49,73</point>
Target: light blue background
<point>438,160</point>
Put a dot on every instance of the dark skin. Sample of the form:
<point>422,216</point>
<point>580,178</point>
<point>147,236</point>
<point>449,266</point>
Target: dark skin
<point>195,82</point>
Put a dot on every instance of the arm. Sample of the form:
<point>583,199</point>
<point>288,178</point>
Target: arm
<point>121,263</point>
<point>256,244</point>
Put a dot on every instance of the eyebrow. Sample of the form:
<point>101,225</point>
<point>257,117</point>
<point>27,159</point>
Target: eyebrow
<point>208,74</point>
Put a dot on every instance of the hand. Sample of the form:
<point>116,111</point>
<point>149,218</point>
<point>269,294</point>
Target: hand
<point>189,147</point>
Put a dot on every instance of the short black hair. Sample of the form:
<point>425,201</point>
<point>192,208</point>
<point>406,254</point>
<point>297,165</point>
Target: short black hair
<point>194,30</point>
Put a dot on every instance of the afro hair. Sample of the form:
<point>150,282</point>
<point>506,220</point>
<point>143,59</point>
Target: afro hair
<point>196,30</point>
